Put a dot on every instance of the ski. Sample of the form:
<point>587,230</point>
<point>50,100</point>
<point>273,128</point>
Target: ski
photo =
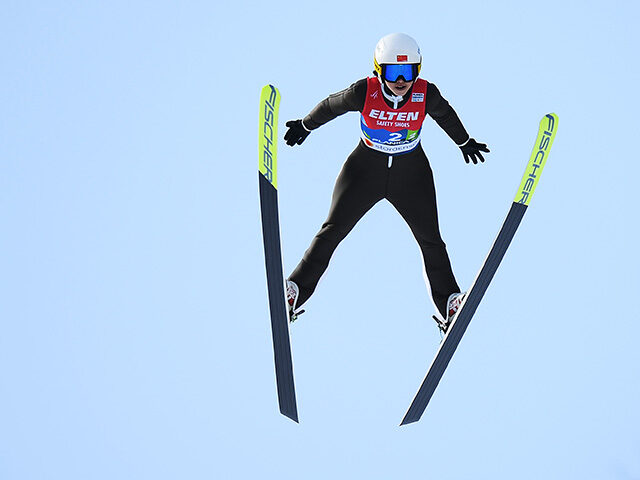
<point>268,185</point>
<point>546,135</point>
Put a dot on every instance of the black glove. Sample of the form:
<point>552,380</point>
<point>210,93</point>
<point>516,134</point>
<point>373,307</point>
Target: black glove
<point>296,133</point>
<point>471,151</point>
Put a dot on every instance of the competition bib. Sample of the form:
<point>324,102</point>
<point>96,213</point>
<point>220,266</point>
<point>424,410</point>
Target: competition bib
<point>392,130</point>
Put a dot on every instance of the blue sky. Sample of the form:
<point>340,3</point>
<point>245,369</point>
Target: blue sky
<point>135,335</point>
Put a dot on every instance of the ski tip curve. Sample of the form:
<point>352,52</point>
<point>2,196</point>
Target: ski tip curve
<point>546,135</point>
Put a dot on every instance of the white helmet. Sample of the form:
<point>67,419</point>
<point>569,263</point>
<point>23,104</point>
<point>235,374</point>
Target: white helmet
<point>394,49</point>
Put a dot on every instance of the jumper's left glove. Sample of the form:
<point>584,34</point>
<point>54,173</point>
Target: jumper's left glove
<point>296,133</point>
<point>471,151</point>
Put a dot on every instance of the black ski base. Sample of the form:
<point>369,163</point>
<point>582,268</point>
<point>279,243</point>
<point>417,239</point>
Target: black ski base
<point>277,303</point>
<point>463,318</point>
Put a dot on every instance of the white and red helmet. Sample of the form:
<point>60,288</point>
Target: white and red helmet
<point>397,49</point>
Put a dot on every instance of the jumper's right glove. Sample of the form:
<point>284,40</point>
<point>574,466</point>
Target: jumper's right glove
<point>471,151</point>
<point>296,133</point>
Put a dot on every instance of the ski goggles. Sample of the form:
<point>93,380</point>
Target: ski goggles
<point>408,71</point>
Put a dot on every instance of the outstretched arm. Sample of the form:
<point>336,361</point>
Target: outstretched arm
<point>348,100</point>
<point>445,116</point>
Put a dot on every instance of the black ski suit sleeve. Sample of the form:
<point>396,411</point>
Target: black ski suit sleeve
<point>352,99</point>
<point>444,115</point>
<point>348,100</point>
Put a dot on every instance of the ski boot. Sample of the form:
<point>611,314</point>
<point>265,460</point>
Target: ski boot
<point>293,292</point>
<point>453,305</point>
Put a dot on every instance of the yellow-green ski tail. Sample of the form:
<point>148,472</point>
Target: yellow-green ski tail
<point>268,134</point>
<point>546,134</point>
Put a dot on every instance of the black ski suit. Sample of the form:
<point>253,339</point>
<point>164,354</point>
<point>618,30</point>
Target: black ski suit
<point>368,176</point>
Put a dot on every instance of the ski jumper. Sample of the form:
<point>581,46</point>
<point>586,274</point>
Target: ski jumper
<point>388,163</point>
